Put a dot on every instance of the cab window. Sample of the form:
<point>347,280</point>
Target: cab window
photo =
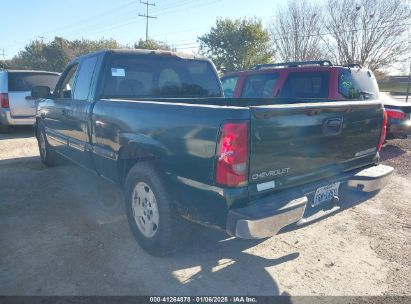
<point>146,76</point>
<point>85,75</point>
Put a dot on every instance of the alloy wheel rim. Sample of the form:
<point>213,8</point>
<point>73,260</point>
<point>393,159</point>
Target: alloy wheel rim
<point>145,209</point>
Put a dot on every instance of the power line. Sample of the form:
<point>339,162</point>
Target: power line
<point>319,34</point>
<point>185,7</point>
<point>285,37</point>
<point>173,5</point>
<point>79,26</point>
<point>184,31</point>
<point>126,19</point>
<point>146,15</point>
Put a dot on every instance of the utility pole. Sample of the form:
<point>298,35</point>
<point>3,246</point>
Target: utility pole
<point>409,83</point>
<point>146,15</point>
<point>409,72</point>
<point>2,54</point>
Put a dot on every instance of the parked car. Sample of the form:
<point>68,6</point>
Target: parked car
<point>399,117</point>
<point>157,124</point>
<point>17,107</point>
<point>317,79</point>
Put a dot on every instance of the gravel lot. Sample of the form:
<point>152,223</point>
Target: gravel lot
<point>63,232</point>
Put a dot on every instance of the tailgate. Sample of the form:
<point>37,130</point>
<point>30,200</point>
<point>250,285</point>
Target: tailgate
<point>299,143</point>
<point>20,105</point>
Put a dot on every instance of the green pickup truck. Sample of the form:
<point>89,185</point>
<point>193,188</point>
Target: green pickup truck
<point>157,124</point>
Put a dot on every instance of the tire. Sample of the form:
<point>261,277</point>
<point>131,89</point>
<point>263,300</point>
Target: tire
<point>151,212</point>
<point>4,129</point>
<point>47,156</point>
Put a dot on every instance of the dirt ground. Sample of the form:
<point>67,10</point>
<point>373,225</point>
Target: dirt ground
<point>63,232</point>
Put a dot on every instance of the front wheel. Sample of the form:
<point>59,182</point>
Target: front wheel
<point>152,215</point>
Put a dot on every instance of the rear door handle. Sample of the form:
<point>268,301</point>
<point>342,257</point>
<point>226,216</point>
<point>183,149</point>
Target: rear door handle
<point>64,112</point>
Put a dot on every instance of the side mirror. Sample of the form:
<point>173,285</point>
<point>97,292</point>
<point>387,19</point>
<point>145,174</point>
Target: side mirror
<point>40,92</point>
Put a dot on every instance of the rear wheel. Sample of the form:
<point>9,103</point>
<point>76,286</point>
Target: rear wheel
<point>152,216</point>
<point>47,155</point>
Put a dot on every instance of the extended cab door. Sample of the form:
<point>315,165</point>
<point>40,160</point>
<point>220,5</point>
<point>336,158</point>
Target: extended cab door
<point>77,117</point>
<point>57,109</point>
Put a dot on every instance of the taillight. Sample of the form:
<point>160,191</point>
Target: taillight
<point>4,100</point>
<point>383,131</point>
<point>232,154</point>
<point>396,114</point>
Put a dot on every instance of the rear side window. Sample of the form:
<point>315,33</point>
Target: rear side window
<point>85,75</point>
<point>21,81</point>
<point>229,84</point>
<point>357,84</point>
<point>306,85</point>
<point>144,76</point>
<point>259,85</point>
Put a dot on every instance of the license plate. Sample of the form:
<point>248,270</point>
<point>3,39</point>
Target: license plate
<point>325,193</point>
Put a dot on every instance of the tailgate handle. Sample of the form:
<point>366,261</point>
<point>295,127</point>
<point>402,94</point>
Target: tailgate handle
<point>333,126</point>
<point>65,111</point>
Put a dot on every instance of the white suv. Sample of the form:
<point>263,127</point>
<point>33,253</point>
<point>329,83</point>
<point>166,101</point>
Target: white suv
<point>17,107</point>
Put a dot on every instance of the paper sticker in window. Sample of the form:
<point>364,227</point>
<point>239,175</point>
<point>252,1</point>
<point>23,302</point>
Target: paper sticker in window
<point>118,72</point>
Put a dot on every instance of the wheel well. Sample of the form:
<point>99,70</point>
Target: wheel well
<point>35,127</point>
<point>128,157</point>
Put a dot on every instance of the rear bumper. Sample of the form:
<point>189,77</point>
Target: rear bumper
<point>7,119</point>
<point>265,217</point>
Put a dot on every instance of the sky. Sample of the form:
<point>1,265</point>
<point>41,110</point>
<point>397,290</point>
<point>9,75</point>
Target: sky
<point>178,22</point>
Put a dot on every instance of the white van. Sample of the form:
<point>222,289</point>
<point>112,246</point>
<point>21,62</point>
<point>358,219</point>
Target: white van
<point>17,107</point>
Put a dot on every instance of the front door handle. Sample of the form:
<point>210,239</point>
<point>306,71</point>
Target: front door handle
<point>65,112</point>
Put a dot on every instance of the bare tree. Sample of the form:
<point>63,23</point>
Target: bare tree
<point>369,32</point>
<point>295,31</point>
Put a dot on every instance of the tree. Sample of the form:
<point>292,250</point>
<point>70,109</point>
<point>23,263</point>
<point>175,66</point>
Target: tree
<point>236,44</point>
<point>4,64</point>
<point>54,55</point>
<point>369,32</point>
<point>152,44</point>
<point>295,32</point>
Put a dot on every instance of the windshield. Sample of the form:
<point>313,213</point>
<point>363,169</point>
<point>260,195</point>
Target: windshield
<point>23,81</point>
<point>143,76</point>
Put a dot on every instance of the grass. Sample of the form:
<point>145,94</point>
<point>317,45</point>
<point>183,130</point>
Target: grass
<point>393,87</point>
